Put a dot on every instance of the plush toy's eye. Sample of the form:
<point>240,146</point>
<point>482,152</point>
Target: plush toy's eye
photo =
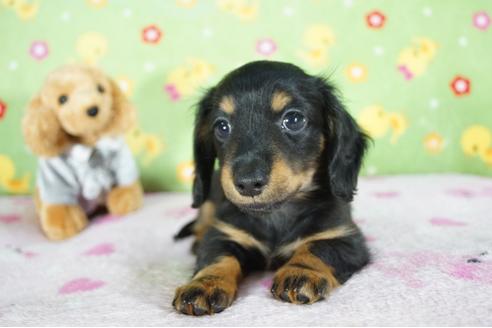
<point>222,129</point>
<point>100,88</point>
<point>62,99</point>
<point>293,121</point>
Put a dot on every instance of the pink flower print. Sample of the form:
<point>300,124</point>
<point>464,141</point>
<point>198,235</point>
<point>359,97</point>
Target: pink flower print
<point>460,86</point>
<point>3,109</point>
<point>151,34</point>
<point>375,20</point>
<point>39,50</point>
<point>266,47</point>
<point>481,20</point>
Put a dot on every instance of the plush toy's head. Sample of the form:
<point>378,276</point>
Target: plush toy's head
<point>77,104</point>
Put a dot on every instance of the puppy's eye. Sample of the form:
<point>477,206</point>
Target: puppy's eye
<point>62,99</point>
<point>100,88</point>
<point>222,129</point>
<point>293,121</point>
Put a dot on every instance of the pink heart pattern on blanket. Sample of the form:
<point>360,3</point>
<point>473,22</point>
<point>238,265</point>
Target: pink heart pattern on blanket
<point>9,218</point>
<point>80,285</point>
<point>447,222</point>
<point>101,249</point>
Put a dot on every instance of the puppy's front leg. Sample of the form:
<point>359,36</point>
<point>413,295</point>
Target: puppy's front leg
<point>212,289</point>
<point>225,255</point>
<point>318,267</point>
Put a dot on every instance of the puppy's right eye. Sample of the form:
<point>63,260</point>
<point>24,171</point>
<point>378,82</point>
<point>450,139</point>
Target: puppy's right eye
<point>222,129</point>
<point>62,99</point>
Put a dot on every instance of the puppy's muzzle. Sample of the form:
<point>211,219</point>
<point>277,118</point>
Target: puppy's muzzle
<point>250,179</point>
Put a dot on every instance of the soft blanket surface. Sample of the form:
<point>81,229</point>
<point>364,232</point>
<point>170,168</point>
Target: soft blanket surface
<point>430,236</point>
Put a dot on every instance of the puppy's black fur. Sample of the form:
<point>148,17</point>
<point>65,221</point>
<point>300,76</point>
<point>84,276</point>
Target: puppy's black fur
<point>289,155</point>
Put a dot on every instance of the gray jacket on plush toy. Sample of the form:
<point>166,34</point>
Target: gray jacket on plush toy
<point>83,174</point>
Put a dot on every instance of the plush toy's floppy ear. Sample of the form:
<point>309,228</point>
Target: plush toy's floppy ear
<point>203,151</point>
<point>124,114</point>
<point>346,144</point>
<point>42,130</point>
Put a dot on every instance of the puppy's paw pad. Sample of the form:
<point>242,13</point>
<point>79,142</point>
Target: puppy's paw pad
<point>200,298</point>
<point>299,286</point>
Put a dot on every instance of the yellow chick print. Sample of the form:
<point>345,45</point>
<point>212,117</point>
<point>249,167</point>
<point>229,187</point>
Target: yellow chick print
<point>317,40</point>
<point>245,10</point>
<point>25,10</point>
<point>377,122</point>
<point>374,121</point>
<point>414,60</point>
<point>91,47</point>
<point>398,124</point>
<point>145,145</point>
<point>8,181</point>
<point>98,4</point>
<point>477,140</point>
<point>187,4</point>
<point>185,79</point>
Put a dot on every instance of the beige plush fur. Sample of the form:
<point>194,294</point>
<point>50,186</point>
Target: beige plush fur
<point>51,127</point>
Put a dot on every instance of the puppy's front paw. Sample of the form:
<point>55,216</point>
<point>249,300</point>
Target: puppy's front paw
<point>206,295</point>
<point>62,221</point>
<point>123,200</point>
<point>299,285</point>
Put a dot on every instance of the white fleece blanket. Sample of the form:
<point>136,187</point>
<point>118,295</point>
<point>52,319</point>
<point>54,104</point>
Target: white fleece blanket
<point>430,236</point>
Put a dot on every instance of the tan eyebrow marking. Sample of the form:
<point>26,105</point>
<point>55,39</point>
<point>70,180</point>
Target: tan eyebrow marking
<point>334,233</point>
<point>227,104</point>
<point>279,100</point>
<point>241,237</point>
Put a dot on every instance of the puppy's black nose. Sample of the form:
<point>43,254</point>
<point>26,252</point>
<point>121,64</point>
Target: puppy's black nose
<point>93,111</point>
<point>252,184</point>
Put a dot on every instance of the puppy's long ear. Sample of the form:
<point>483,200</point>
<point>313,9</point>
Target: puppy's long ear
<point>347,147</point>
<point>124,113</point>
<point>42,131</point>
<point>203,151</point>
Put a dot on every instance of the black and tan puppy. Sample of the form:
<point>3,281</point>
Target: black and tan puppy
<point>289,156</point>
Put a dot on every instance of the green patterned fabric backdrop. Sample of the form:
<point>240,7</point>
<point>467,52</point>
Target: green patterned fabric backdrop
<point>416,74</point>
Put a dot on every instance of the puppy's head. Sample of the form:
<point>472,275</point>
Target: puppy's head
<point>278,133</point>
<point>75,104</point>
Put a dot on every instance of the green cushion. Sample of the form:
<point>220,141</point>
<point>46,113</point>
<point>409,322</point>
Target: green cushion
<point>416,74</point>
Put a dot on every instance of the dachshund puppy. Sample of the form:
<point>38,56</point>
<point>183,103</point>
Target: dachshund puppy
<point>75,124</point>
<point>289,156</point>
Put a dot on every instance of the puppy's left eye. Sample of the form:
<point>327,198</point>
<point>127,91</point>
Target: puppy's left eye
<point>100,88</point>
<point>293,121</point>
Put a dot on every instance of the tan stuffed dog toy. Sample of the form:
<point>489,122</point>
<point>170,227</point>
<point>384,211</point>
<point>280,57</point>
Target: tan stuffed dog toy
<point>75,124</point>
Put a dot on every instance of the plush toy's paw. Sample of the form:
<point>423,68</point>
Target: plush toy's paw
<point>62,221</point>
<point>207,295</point>
<point>123,200</point>
<point>300,285</point>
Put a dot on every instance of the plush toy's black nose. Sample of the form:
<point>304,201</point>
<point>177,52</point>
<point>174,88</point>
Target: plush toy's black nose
<point>93,111</point>
<point>251,184</point>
